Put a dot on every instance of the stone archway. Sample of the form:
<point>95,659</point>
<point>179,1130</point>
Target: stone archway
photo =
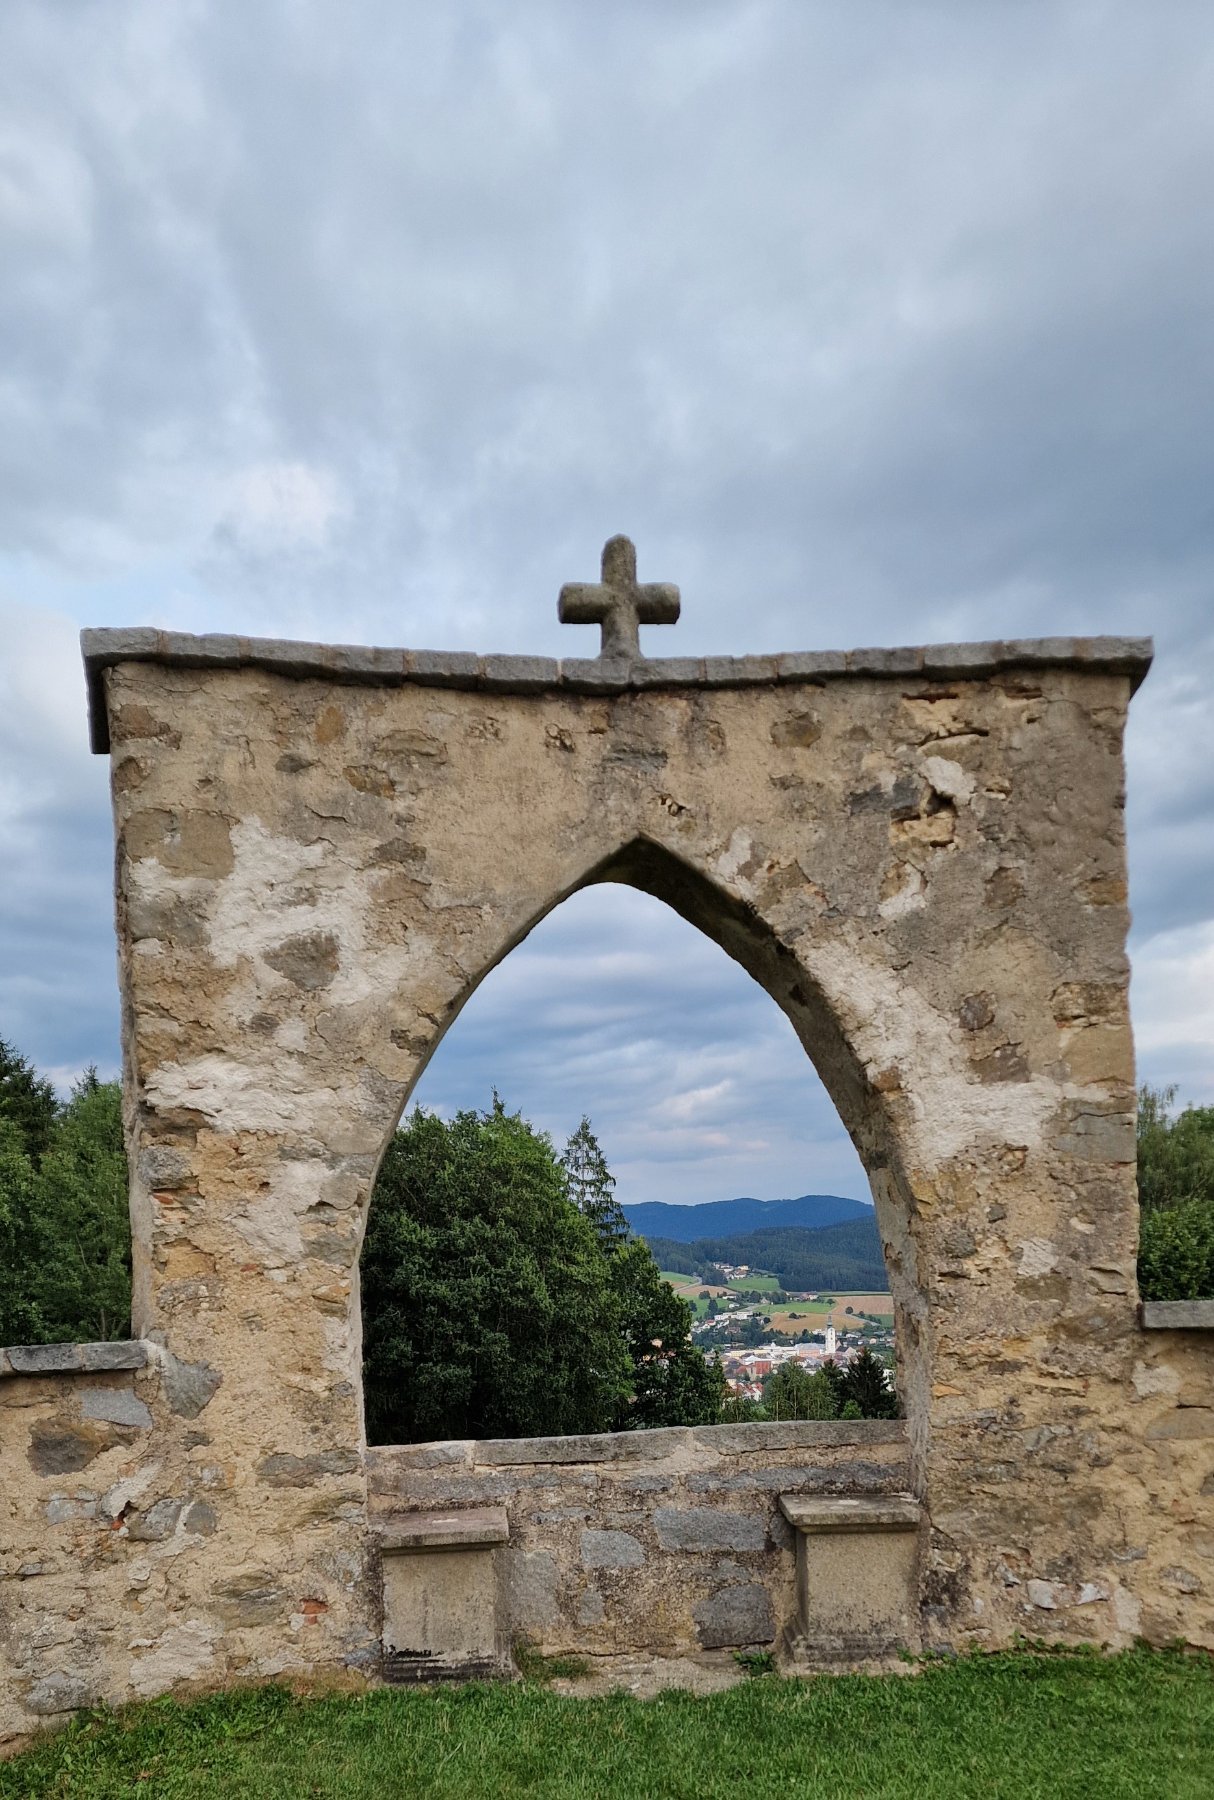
<point>321,851</point>
<point>918,854</point>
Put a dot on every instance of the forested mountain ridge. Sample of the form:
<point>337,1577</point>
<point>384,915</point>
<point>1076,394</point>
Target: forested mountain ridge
<point>846,1256</point>
<point>724,1218</point>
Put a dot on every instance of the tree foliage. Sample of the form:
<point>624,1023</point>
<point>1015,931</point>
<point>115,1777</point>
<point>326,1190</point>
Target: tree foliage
<point>861,1391</point>
<point>65,1236</point>
<point>487,1303</point>
<point>496,1304</point>
<point>1176,1193</point>
<point>1175,1151</point>
<point>673,1383</point>
<point>21,1321</point>
<point>591,1187</point>
<point>27,1101</point>
<point>85,1287</point>
<point>791,1392</point>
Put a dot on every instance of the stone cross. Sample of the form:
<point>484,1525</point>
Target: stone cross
<point>618,603</point>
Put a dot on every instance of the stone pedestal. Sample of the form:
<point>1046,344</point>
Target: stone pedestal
<point>857,1575</point>
<point>442,1621</point>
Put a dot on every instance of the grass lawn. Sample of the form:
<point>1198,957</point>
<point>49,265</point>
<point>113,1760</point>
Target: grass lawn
<point>1009,1727</point>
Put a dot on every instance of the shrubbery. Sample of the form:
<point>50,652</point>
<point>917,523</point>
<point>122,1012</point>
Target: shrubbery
<point>1176,1193</point>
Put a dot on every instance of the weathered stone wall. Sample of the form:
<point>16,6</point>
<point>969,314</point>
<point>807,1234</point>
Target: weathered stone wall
<point>1162,1449</point>
<point>664,1542</point>
<point>117,1579</point>
<point>919,855</point>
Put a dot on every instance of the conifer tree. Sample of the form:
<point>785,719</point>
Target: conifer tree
<point>27,1100</point>
<point>591,1187</point>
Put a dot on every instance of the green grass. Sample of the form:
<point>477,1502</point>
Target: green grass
<point>534,1666</point>
<point>1008,1727</point>
<point>755,1284</point>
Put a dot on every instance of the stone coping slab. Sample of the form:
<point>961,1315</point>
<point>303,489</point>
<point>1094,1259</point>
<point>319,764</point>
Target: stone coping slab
<point>364,665</point>
<point>1177,1315</point>
<point>820,1513</point>
<point>756,1439</point>
<point>461,1528</point>
<point>72,1359</point>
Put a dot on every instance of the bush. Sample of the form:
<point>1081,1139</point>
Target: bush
<point>1176,1196</point>
<point>1176,1252</point>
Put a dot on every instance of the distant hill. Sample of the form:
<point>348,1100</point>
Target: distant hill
<point>722,1218</point>
<point>839,1257</point>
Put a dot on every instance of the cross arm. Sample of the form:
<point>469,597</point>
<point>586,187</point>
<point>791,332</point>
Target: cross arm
<point>583,603</point>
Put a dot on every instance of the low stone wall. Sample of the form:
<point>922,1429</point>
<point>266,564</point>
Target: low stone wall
<point>660,1542</point>
<point>76,1427</point>
<point>150,1541</point>
<point>132,1561</point>
<point>1168,1477</point>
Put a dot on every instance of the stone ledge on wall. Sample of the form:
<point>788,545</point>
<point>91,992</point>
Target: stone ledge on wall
<point>1176,1315</point>
<point>73,1359</point>
<point>755,1437</point>
<point>356,663</point>
<point>458,1528</point>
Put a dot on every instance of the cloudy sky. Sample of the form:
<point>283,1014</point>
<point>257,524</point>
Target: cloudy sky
<point>872,321</point>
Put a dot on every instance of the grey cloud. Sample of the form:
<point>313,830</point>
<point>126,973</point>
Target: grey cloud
<point>869,324</point>
<point>614,1006</point>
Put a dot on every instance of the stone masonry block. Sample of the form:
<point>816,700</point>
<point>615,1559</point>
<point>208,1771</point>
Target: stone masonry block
<point>709,1528</point>
<point>611,1550</point>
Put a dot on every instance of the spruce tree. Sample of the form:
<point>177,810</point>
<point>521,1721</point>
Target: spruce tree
<point>27,1100</point>
<point>591,1187</point>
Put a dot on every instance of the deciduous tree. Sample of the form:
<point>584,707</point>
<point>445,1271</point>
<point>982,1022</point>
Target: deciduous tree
<point>488,1307</point>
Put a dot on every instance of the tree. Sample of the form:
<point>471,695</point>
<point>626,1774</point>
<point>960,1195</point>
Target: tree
<point>791,1392</point>
<point>65,1236</point>
<point>591,1187</point>
<point>21,1250</point>
<point>673,1383</point>
<point>1176,1192</point>
<point>84,1286</point>
<point>1175,1152</point>
<point>864,1385</point>
<point>495,1304</point>
<point>27,1100</point>
<point>833,1374</point>
<point>488,1304</point>
<point>1176,1252</point>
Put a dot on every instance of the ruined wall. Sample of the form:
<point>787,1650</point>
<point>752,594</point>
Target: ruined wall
<point>920,857</point>
<point>661,1542</point>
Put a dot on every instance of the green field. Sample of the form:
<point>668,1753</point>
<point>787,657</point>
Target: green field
<point>1011,1727</point>
<point>756,1284</point>
<point>812,1315</point>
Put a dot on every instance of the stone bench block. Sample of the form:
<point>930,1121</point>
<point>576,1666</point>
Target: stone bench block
<point>857,1575</point>
<point>442,1586</point>
<point>462,1528</point>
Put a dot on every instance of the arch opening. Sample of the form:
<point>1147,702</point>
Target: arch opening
<point>807,1111</point>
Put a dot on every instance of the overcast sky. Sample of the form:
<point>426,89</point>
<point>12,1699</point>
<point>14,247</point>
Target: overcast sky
<point>871,323</point>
